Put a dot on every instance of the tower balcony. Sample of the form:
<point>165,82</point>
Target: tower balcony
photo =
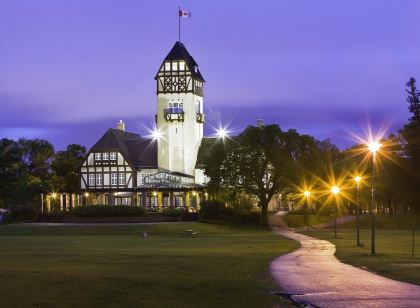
<point>173,114</point>
<point>201,118</point>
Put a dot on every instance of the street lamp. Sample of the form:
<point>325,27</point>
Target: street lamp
<point>86,198</point>
<point>373,147</point>
<point>335,190</point>
<point>357,179</point>
<point>306,193</point>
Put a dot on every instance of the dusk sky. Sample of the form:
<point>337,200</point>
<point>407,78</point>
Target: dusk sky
<point>71,69</point>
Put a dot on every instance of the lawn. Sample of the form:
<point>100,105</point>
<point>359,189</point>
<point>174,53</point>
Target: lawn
<point>107,266</point>
<point>296,221</point>
<point>393,249</point>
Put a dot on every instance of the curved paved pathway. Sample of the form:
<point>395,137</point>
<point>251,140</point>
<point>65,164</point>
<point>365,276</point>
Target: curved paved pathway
<point>316,277</point>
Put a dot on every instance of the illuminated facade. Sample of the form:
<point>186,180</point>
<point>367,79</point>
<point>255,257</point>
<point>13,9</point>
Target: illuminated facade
<point>166,171</point>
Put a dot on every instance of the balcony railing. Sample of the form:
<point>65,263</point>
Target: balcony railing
<point>174,114</point>
<point>201,118</point>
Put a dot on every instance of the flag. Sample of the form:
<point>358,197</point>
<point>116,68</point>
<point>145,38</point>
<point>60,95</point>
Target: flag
<point>184,14</point>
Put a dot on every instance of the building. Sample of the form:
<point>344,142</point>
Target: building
<point>124,168</point>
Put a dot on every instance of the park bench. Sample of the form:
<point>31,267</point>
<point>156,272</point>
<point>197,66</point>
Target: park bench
<point>189,233</point>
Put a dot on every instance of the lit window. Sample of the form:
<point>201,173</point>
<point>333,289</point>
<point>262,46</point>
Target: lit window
<point>113,179</point>
<point>121,179</point>
<point>91,179</point>
<point>174,66</point>
<point>105,156</point>
<point>167,66</point>
<point>97,156</point>
<point>113,156</point>
<point>181,65</point>
<point>98,179</point>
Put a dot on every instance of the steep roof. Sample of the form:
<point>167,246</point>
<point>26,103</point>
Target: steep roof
<point>179,52</point>
<point>138,151</point>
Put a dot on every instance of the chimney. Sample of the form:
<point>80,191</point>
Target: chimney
<point>121,126</point>
<point>260,123</point>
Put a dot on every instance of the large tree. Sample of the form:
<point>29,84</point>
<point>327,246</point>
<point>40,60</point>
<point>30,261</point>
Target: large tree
<point>65,168</point>
<point>10,170</point>
<point>411,143</point>
<point>258,162</point>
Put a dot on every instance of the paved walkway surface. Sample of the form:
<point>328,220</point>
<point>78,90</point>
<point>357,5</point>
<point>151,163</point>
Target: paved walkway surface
<point>313,275</point>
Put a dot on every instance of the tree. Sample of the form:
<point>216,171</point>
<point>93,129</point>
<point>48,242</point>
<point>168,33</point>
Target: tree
<point>257,163</point>
<point>35,158</point>
<point>10,169</point>
<point>413,100</point>
<point>411,142</point>
<point>64,168</point>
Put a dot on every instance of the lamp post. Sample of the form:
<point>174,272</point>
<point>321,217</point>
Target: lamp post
<point>305,209</point>
<point>373,147</point>
<point>335,190</point>
<point>86,198</point>
<point>358,179</point>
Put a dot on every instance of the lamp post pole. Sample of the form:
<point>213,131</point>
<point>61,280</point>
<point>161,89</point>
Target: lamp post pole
<point>305,210</point>
<point>335,190</point>
<point>357,179</point>
<point>336,217</point>
<point>372,208</point>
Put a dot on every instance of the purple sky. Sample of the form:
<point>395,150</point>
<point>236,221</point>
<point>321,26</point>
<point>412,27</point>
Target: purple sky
<point>71,69</point>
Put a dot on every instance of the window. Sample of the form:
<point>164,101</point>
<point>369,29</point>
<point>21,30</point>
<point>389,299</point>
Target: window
<point>97,156</point>
<point>121,179</point>
<point>113,179</point>
<point>181,65</point>
<point>98,179</point>
<point>113,156</point>
<point>91,179</point>
<point>174,66</point>
<point>105,156</point>
<point>167,66</point>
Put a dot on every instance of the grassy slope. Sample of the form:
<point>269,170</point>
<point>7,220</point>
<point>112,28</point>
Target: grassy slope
<point>114,266</point>
<point>390,222</point>
<point>393,248</point>
<point>296,221</point>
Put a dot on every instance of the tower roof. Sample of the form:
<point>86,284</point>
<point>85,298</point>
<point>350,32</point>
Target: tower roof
<point>179,52</point>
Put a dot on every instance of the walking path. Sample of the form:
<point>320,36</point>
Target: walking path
<point>313,275</point>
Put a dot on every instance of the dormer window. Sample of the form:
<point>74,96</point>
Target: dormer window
<point>113,156</point>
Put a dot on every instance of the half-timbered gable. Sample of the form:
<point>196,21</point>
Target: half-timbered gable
<point>113,162</point>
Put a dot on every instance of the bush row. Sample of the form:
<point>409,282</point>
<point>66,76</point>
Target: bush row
<point>108,211</point>
<point>217,210</point>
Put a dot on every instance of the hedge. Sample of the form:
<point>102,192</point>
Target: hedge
<point>108,211</point>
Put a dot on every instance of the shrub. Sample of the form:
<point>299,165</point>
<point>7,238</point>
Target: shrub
<point>23,213</point>
<point>216,210</point>
<point>212,209</point>
<point>251,218</point>
<point>108,211</point>
<point>173,212</point>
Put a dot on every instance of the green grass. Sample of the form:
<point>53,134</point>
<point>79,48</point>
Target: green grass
<point>296,221</point>
<point>392,222</point>
<point>393,250</point>
<point>109,266</point>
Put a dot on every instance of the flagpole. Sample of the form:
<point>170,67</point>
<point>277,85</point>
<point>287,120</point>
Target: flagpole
<point>179,24</point>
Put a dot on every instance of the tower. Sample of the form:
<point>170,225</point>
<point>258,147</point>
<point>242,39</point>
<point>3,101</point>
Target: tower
<point>180,116</point>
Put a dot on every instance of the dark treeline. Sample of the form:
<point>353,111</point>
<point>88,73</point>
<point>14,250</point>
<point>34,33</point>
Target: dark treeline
<point>29,167</point>
<point>263,162</point>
